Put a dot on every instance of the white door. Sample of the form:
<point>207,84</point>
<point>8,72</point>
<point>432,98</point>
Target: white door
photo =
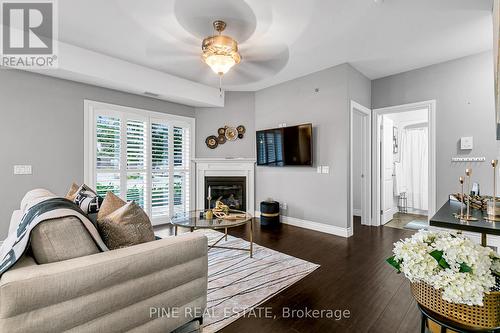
<point>387,171</point>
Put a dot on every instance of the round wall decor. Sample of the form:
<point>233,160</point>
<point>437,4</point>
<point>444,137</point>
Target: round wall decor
<point>221,139</point>
<point>221,131</point>
<point>212,142</point>
<point>241,129</point>
<point>231,133</point>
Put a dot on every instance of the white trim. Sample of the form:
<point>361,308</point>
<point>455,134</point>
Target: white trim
<point>389,215</point>
<point>91,108</point>
<point>357,212</point>
<point>316,226</point>
<point>365,211</point>
<point>377,113</point>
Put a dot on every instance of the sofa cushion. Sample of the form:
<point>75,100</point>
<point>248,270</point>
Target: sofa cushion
<point>128,225</point>
<point>61,239</point>
<point>88,200</point>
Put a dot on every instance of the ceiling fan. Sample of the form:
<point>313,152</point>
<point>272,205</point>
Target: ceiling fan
<point>256,58</point>
<point>220,52</point>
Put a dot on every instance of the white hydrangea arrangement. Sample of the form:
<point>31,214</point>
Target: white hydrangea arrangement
<point>462,269</point>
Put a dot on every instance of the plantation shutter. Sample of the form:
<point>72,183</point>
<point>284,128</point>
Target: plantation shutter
<point>160,170</point>
<point>181,156</point>
<point>108,142</point>
<point>141,157</point>
<point>137,168</point>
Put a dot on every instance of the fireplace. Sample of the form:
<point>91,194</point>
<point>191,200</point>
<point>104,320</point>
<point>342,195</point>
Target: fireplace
<point>239,171</point>
<point>230,190</point>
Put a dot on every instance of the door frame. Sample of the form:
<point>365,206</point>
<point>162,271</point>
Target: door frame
<point>366,214</point>
<point>430,106</point>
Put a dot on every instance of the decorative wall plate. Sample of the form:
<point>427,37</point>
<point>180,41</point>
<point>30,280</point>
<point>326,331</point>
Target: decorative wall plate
<point>240,136</point>
<point>221,131</point>
<point>231,133</point>
<point>212,142</point>
<point>241,129</point>
<point>221,139</point>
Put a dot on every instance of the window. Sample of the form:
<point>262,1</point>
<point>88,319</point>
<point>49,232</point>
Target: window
<point>139,155</point>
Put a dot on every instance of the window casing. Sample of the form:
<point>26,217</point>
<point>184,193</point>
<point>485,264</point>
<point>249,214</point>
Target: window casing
<point>140,155</point>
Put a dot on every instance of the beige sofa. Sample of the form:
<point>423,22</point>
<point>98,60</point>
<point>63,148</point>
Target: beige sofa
<point>143,288</point>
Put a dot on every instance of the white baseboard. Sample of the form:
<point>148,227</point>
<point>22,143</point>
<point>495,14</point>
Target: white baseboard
<point>316,226</point>
<point>356,212</point>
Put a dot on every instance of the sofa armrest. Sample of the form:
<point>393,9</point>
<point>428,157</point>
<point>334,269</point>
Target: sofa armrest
<point>107,282</point>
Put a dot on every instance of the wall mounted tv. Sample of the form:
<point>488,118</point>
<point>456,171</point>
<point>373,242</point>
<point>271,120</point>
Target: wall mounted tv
<point>285,146</point>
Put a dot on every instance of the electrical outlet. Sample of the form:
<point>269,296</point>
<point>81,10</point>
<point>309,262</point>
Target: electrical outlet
<point>284,206</point>
<point>22,170</point>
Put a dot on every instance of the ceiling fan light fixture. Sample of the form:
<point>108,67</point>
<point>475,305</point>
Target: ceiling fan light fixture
<point>220,64</point>
<point>220,52</point>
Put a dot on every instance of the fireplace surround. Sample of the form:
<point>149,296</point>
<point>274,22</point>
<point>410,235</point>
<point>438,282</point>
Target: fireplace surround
<point>240,172</point>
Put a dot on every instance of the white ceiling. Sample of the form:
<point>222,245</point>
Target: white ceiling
<point>280,39</point>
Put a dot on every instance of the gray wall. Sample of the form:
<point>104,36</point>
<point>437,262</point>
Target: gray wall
<point>42,125</point>
<point>239,109</point>
<point>463,90</point>
<point>309,195</point>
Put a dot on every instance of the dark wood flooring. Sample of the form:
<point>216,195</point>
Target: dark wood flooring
<point>353,276</point>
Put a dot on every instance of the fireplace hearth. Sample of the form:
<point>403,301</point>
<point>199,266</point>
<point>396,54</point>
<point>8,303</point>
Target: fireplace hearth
<point>230,190</point>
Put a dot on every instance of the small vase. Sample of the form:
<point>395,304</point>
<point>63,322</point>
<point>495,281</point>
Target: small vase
<point>493,210</point>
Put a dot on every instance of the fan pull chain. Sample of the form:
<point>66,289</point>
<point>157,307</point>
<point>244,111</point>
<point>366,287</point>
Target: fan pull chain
<point>220,85</point>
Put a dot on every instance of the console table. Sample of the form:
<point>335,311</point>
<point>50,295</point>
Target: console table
<point>445,218</point>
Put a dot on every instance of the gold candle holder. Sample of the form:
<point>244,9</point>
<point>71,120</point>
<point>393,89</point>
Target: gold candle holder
<point>461,180</point>
<point>468,174</point>
<point>493,209</point>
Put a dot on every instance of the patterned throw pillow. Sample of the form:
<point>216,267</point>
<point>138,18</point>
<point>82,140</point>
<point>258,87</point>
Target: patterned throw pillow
<point>127,226</point>
<point>88,200</point>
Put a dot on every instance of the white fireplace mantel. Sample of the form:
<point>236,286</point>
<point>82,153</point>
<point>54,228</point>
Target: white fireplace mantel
<point>225,167</point>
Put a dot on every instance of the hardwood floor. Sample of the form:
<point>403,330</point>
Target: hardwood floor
<point>353,276</point>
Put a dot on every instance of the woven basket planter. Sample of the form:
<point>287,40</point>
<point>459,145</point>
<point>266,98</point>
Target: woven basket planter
<point>484,317</point>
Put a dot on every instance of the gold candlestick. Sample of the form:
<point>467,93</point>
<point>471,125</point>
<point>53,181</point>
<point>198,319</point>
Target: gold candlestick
<point>494,164</point>
<point>461,180</point>
<point>493,211</point>
<point>468,174</point>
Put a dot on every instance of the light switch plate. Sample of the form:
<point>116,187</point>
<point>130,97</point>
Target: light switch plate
<point>319,169</point>
<point>466,142</point>
<point>326,169</point>
<point>22,170</point>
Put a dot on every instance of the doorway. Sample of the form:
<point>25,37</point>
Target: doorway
<point>404,167</point>
<point>360,164</point>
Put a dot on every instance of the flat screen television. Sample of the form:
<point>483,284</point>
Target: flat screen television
<point>285,146</point>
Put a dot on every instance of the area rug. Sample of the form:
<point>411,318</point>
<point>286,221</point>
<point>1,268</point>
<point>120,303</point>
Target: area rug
<point>238,283</point>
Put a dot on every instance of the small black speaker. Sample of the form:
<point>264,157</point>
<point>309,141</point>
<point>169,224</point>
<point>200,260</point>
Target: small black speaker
<point>269,213</point>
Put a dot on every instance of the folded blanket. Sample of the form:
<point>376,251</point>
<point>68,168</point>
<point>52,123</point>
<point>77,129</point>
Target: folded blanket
<point>17,242</point>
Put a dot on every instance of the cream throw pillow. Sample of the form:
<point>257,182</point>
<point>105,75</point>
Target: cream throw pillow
<point>73,190</point>
<point>127,226</point>
<point>111,203</point>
